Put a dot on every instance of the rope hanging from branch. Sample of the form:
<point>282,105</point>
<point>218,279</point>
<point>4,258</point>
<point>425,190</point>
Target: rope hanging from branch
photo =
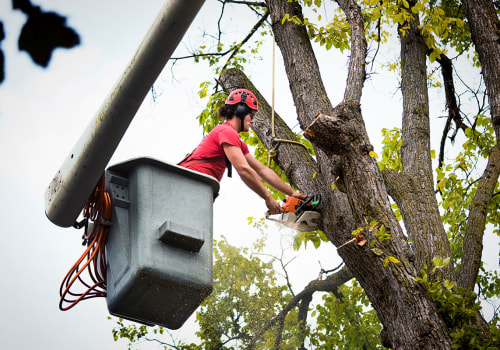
<point>272,152</point>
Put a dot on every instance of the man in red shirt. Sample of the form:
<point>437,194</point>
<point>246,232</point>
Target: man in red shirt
<point>222,147</point>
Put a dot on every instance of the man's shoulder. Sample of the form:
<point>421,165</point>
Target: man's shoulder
<point>225,128</point>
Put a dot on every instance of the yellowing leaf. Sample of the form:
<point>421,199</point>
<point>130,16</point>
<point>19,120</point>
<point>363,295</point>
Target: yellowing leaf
<point>377,251</point>
<point>373,154</point>
<point>393,259</point>
<point>389,259</point>
<point>284,18</point>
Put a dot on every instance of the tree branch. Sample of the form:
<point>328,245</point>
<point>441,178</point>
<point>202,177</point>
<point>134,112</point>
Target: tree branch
<point>420,208</point>
<point>451,103</point>
<point>233,50</point>
<point>250,34</point>
<point>356,73</point>
<point>330,284</point>
<point>302,316</point>
<point>473,239</point>
<point>248,3</point>
<point>483,20</point>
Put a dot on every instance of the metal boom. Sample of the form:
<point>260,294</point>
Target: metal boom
<point>73,183</point>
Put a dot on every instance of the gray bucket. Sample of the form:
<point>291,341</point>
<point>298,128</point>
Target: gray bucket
<point>159,247</point>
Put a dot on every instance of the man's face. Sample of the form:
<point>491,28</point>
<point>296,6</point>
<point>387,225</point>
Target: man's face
<point>248,121</point>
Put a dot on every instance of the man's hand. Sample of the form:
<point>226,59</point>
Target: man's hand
<point>298,195</point>
<point>273,206</point>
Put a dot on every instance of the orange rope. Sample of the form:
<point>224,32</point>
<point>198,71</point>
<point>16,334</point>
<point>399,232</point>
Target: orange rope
<point>93,260</point>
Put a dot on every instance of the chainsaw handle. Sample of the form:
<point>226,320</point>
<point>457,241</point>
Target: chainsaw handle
<point>314,197</point>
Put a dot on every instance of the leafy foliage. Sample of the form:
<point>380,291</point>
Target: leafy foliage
<point>333,34</point>
<point>442,24</point>
<point>246,295</point>
<point>346,321</point>
<point>391,144</point>
<point>458,180</point>
<point>208,118</point>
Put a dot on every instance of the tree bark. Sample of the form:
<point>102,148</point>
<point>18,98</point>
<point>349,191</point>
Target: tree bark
<point>418,205</point>
<point>474,231</point>
<point>403,306</point>
<point>485,31</point>
<point>356,74</point>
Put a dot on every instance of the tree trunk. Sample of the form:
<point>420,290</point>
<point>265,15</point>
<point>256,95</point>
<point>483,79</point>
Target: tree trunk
<point>343,151</point>
<point>417,203</point>
<point>403,306</point>
<point>485,31</point>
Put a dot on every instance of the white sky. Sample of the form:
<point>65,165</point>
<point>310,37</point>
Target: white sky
<point>44,111</point>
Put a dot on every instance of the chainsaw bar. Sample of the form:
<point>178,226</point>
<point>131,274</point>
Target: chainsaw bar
<point>300,215</point>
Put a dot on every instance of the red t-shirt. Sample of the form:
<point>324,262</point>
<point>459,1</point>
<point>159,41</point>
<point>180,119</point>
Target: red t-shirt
<point>211,147</point>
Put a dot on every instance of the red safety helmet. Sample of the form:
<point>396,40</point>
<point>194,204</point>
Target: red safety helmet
<point>244,96</point>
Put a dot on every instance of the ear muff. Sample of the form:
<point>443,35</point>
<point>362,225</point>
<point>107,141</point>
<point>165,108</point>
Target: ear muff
<point>241,110</point>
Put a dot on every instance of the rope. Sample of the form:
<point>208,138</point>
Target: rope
<point>93,260</point>
<point>272,153</point>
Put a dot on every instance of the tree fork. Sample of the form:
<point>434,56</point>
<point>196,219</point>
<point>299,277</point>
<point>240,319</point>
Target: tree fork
<point>300,168</point>
<point>408,314</point>
<point>403,305</point>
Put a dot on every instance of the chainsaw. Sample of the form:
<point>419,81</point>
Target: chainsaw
<point>298,214</point>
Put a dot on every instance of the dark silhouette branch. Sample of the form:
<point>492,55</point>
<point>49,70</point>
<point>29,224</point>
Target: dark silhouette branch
<point>451,104</point>
<point>248,3</point>
<point>233,50</point>
<point>250,34</point>
<point>330,284</point>
<point>43,32</point>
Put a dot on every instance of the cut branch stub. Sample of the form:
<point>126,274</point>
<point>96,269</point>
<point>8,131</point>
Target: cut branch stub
<point>340,132</point>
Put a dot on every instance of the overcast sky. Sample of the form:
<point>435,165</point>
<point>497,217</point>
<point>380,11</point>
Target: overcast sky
<point>44,111</point>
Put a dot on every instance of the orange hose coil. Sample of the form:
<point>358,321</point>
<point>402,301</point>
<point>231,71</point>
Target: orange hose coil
<point>93,260</point>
